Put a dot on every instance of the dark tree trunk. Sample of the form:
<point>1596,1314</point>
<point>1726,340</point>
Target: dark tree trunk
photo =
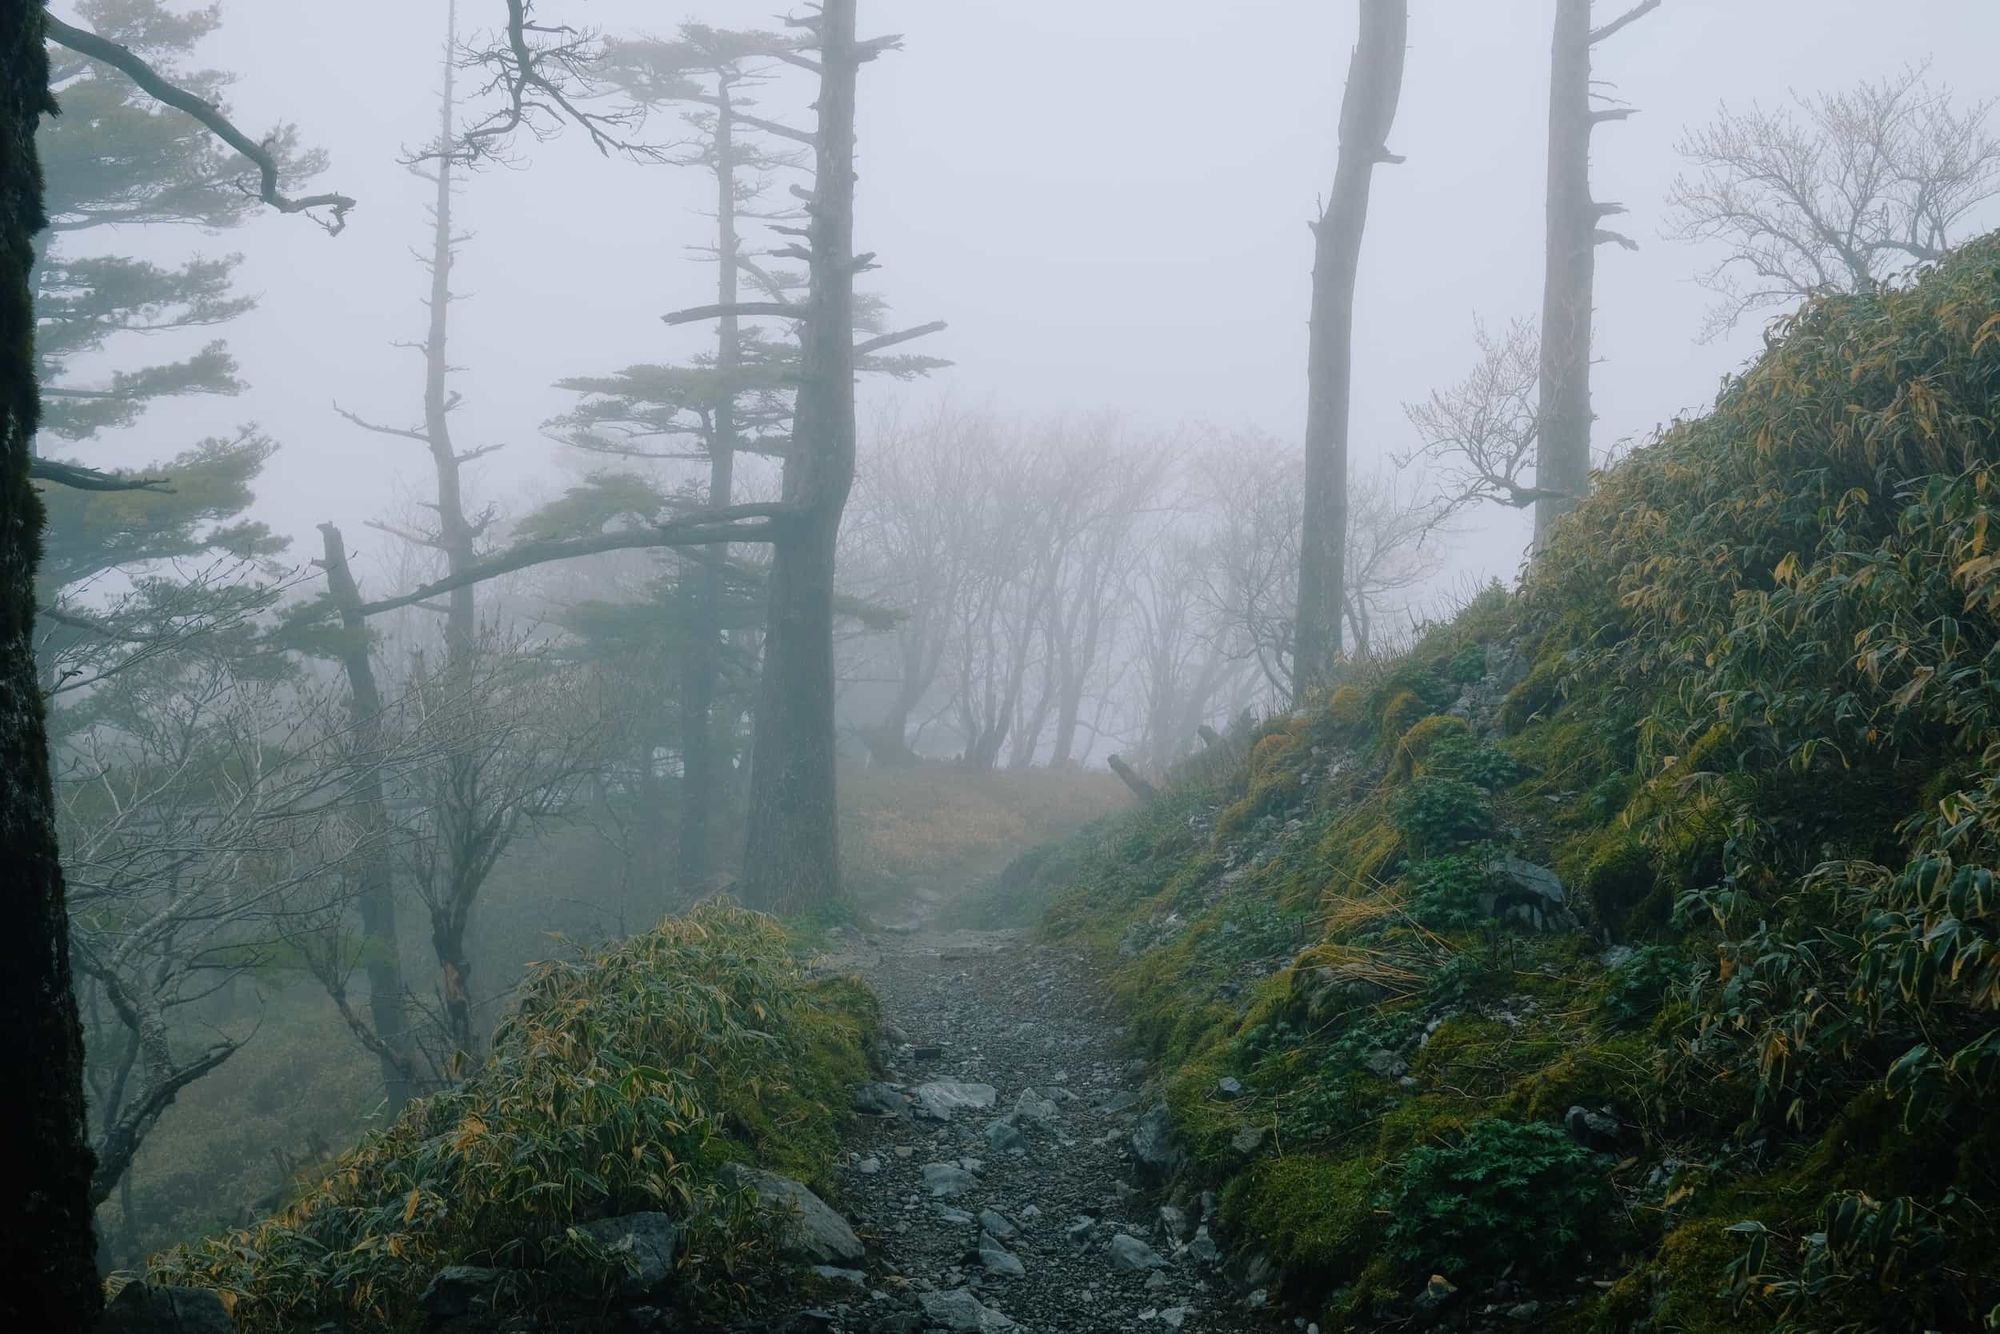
<point>47,1248</point>
<point>1367,110</point>
<point>1562,450</point>
<point>700,764</point>
<point>791,859</point>
<point>382,951</point>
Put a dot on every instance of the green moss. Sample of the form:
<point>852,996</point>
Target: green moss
<point>1612,873</point>
<point>1417,742</point>
<point>1308,1212</point>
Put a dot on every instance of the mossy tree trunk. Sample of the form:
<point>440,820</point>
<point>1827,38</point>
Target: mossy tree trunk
<point>46,1243</point>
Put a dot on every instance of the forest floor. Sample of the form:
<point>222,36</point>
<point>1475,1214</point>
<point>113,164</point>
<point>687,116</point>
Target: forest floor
<point>994,1173</point>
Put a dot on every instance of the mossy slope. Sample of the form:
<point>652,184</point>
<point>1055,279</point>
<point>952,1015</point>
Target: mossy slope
<point>623,1082</point>
<point>1744,705</point>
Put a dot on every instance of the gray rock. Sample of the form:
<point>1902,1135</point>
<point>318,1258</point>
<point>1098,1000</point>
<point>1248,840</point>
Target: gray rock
<point>998,1224</point>
<point>815,1234</point>
<point>151,1308</point>
<point>1003,1136</point>
<point>1172,1222</point>
<point>997,1259</point>
<point>1203,1247</point>
<point>868,1166</point>
<point>1385,1064</point>
<point>645,1243</point>
<point>1174,1317</point>
<point>1033,1108</point>
<point>458,1290</point>
<point>1153,1140</point>
<point>958,1310</point>
<point>1247,1140</point>
<point>1130,1255</point>
<point>1080,1229</point>
<point>880,1099</point>
<point>1435,1294</point>
<point>835,1274</point>
<point>1593,1129</point>
<point>1525,893</point>
<point>1229,1086</point>
<point>948,1180</point>
<point>942,1097</point>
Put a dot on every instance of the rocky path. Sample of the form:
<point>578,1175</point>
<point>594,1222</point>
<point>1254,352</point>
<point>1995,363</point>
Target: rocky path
<point>994,1174</point>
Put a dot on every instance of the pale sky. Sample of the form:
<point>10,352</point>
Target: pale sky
<point>1107,200</point>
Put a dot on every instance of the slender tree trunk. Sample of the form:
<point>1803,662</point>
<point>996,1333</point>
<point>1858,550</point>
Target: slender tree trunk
<point>699,760</point>
<point>1367,110</point>
<point>1562,450</point>
<point>382,948</point>
<point>47,1248</point>
<point>791,860</point>
<point>456,535</point>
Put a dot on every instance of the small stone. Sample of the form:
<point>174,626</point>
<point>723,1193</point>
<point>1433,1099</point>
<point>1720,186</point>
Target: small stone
<point>947,1180</point>
<point>1003,1136</point>
<point>1158,1279</point>
<point>1595,1130</point>
<point>880,1099</point>
<point>961,1312</point>
<point>834,1274</point>
<point>1172,1222</point>
<point>998,1224</point>
<point>1131,1255</point>
<point>1033,1108</point>
<point>868,1166</point>
<point>1229,1086</point>
<point>1203,1247</point>
<point>997,1259</point>
<point>1435,1293</point>
<point>904,1151</point>
<point>1174,1316</point>
<point>938,1099</point>
<point>1385,1064</point>
<point>1247,1140</point>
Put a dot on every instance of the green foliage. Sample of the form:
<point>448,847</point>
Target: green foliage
<point>1436,814</point>
<point>1506,1195</point>
<point>1641,984</point>
<point>623,1081</point>
<point>1447,891</point>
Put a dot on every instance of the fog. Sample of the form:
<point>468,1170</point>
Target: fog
<point>1107,201</point>
<point>500,692</point>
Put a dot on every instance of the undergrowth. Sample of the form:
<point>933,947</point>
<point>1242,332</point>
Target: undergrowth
<point>624,1080</point>
<point>1744,705</point>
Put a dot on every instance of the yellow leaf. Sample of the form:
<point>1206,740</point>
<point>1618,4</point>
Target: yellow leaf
<point>410,1205</point>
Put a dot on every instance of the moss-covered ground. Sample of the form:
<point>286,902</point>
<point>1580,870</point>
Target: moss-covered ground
<point>1744,707</point>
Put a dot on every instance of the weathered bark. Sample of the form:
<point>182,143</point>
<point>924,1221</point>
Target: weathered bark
<point>791,859</point>
<point>46,1244</point>
<point>695,862</point>
<point>457,537</point>
<point>1367,110</point>
<point>381,942</point>
<point>1562,448</point>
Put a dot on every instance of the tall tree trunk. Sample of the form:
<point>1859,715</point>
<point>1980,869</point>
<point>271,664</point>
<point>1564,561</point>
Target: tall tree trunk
<point>700,763</point>
<point>1562,449</point>
<point>382,947</point>
<point>791,859</point>
<point>1367,110</point>
<point>47,1248</point>
<point>457,537</point>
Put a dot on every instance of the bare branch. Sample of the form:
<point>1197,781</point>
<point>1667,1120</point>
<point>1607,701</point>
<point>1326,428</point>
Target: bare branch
<point>1632,15</point>
<point>79,478</point>
<point>122,58</point>
<point>881,341</point>
<point>693,314</point>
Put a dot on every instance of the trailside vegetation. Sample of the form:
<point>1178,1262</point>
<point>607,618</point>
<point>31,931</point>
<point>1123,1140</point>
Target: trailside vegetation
<point>1623,955</point>
<point>624,1081</point>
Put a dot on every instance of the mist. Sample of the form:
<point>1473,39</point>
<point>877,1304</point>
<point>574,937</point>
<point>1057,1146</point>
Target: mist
<point>984,666</point>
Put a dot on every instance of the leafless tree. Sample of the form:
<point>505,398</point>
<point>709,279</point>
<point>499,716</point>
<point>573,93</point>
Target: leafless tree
<point>1482,430</point>
<point>1832,193</point>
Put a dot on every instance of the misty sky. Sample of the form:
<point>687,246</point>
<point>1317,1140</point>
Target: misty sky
<point>1107,199</point>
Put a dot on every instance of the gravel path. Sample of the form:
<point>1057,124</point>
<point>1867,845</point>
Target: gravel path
<point>996,1184</point>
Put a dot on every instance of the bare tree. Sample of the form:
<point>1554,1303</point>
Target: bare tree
<point>1562,457</point>
<point>1482,430</point>
<point>1367,110</point>
<point>1832,193</point>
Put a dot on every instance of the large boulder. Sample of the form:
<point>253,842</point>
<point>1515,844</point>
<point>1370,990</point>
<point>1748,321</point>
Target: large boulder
<point>464,1290</point>
<point>959,1310</point>
<point>815,1234</point>
<point>149,1308</point>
